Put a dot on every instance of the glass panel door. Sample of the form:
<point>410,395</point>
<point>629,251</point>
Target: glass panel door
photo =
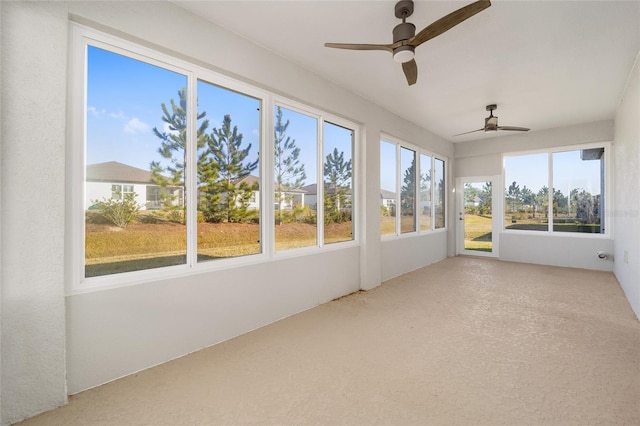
<point>475,216</point>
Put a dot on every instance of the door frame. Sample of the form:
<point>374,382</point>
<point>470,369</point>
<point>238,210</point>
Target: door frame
<point>496,214</point>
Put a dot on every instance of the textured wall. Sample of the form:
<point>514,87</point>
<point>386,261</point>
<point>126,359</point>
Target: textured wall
<point>626,213</point>
<point>33,194</point>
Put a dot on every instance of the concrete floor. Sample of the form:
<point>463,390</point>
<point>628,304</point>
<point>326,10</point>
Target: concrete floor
<point>465,341</point>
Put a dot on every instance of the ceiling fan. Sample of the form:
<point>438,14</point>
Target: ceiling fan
<point>491,124</point>
<point>405,39</point>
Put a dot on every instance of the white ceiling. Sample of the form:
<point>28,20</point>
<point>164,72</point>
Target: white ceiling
<point>545,63</point>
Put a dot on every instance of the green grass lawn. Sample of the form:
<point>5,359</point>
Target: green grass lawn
<point>477,233</point>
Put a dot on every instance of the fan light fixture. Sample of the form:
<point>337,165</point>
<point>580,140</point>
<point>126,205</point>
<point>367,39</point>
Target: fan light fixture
<point>405,39</point>
<point>403,54</point>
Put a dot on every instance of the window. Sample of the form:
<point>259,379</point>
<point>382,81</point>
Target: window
<point>408,190</point>
<point>425,192</point>
<point>439,191</point>
<point>388,189</point>
<point>123,109</point>
<point>338,183</point>
<point>313,194</point>
<point>228,173</point>
<point>295,171</point>
<point>168,155</point>
<point>416,182</point>
<point>575,202</point>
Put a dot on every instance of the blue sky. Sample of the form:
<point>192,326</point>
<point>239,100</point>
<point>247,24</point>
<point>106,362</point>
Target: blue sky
<point>569,172</point>
<point>124,98</point>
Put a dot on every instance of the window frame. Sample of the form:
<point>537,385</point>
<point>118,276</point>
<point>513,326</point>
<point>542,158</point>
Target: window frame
<point>399,144</point>
<point>606,189</point>
<point>321,117</point>
<point>82,36</point>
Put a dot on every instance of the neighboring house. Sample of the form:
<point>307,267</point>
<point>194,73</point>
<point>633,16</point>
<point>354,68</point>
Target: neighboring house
<point>475,202</point>
<point>311,195</point>
<point>254,202</point>
<point>387,198</point>
<point>290,197</point>
<point>113,180</point>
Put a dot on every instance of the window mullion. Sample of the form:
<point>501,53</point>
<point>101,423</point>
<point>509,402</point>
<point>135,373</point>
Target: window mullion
<point>432,205</point>
<point>551,193</point>
<point>398,190</point>
<point>320,180</point>
<point>191,185</point>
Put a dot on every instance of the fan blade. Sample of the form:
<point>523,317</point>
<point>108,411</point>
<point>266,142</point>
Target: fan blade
<point>466,133</point>
<point>447,22</point>
<point>410,71</point>
<point>515,129</point>
<point>385,47</point>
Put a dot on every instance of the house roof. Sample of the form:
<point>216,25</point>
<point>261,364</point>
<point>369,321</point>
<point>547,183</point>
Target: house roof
<point>387,195</point>
<point>113,171</point>
<point>251,179</point>
<point>313,189</point>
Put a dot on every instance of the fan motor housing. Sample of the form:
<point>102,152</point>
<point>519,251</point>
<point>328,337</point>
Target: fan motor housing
<point>403,31</point>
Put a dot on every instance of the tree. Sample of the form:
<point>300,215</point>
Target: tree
<point>289,172</point>
<point>172,147</point>
<point>486,196</point>
<point>513,195</point>
<point>228,196</point>
<point>542,199</point>
<point>337,175</point>
<point>559,202</point>
<point>528,199</point>
<point>470,194</point>
<point>408,190</point>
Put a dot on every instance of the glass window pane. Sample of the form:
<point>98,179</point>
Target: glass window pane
<point>425,192</point>
<point>526,198</point>
<point>135,133</point>
<point>228,176</point>
<point>338,184</point>
<point>387,188</point>
<point>577,191</point>
<point>439,193</point>
<point>295,171</point>
<point>408,190</point>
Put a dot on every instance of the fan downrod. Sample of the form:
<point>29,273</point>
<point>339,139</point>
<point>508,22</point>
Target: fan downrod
<point>404,9</point>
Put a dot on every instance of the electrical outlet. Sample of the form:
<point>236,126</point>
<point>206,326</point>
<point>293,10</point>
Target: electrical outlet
<point>626,256</point>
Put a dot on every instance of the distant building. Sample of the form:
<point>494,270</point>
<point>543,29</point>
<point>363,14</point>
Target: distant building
<point>113,180</point>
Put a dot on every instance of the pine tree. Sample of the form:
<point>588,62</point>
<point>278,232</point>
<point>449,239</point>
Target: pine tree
<point>289,173</point>
<point>173,148</point>
<point>228,196</point>
<point>337,175</point>
<point>408,190</point>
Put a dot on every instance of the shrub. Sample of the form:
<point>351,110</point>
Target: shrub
<point>119,212</point>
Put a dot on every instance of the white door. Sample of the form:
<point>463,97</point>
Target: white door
<point>477,199</point>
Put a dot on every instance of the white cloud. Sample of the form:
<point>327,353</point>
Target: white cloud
<point>118,115</point>
<point>135,126</point>
<point>96,112</point>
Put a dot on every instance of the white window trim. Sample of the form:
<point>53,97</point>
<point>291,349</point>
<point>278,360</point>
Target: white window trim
<point>608,191</point>
<point>81,36</point>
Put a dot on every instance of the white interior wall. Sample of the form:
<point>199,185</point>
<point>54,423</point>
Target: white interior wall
<point>484,158</point>
<point>115,332</point>
<point>33,91</point>
<point>626,212</point>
